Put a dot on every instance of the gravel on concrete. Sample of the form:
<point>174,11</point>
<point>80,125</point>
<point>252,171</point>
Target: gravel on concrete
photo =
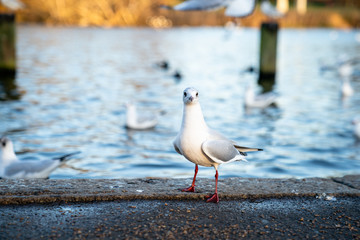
<point>23,191</point>
<point>154,208</point>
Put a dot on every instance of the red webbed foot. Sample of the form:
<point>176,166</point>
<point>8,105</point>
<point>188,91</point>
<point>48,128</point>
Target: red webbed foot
<point>212,198</point>
<point>189,189</point>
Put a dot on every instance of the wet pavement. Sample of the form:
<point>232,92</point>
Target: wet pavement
<point>132,209</point>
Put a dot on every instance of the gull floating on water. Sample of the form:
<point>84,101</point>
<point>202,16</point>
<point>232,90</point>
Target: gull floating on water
<point>203,146</point>
<point>164,65</point>
<point>12,167</point>
<point>346,89</point>
<point>136,122</point>
<point>258,101</point>
<point>356,123</point>
<point>234,8</point>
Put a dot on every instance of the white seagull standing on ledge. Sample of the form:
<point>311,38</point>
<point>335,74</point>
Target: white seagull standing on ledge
<point>12,167</point>
<point>203,146</point>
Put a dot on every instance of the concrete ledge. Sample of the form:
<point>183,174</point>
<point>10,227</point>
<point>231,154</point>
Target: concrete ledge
<point>26,191</point>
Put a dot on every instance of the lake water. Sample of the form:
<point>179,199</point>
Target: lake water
<point>72,84</point>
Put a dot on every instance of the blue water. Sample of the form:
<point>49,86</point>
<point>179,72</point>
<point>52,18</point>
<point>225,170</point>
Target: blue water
<point>72,84</point>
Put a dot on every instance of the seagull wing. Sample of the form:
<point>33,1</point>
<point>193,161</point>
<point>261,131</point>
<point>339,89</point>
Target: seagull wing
<point>31,169</point>
<point>196,5</point>
<point>221,151</point>
<point>240,8</point>
<point>214,135</point>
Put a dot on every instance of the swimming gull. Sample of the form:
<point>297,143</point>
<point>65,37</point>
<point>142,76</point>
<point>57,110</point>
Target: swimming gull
<point>136,121</point>
<point>258,101</point>
<point>203,146</point>
<point>356,123</point>
<point>12,167</point>
<point>346,89</point>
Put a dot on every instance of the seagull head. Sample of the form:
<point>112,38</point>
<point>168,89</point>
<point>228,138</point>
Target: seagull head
<point>190,96</point>
<point>7,149</point>
<point>4,142</point>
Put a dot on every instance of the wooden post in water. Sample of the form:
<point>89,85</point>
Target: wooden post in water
<point>301,6</point>
<point>267,66</point>
<point>7,44</point>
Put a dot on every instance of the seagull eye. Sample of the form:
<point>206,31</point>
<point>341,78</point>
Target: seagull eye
<point>185,94</point>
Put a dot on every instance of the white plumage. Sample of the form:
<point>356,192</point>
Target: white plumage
<point>136,121</point>
<point>202,145</point>
<point>258,101</point>
<point>12,167</point>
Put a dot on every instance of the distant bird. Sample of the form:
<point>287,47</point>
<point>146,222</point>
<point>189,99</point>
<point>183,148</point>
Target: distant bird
<point>13,4</point>
<point>177,75</point>
<point>249,69</point>
<point>203,146</point>
<point>234,8</point>
<point>258,101</point>
<point>269,10</point>
<point>12,167</point>
<point>356,123</point>
<point>346,89</point>
<point>163,65</point>
<point>345,66</point>
<point>346,69</point>
<point>137,122</point>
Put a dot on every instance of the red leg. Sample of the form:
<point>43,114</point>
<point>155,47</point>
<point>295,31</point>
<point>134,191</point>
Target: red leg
<point>214,198</point>
<point>192,187</point>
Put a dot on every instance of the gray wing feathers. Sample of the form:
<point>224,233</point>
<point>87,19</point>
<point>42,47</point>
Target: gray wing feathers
<point>214,135</point>
<point>221,151</point>
<point>30,168</point>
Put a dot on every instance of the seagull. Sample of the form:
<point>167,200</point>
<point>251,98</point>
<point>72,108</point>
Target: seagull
<point>346,89</point>
<point>12,4</point>
<point>203,146</point>
<point>234,8</point>
<point>12,167</point>
<point>164,65</point>
<point>356,123</point>
<point>258,101</point>
<point>136,122</point>
<point>345,69</point>
<point>269,10</point>
<point>177,75</point>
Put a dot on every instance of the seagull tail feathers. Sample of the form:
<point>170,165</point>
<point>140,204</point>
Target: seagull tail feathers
<point>66,156</point>
<point>247,149</point>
